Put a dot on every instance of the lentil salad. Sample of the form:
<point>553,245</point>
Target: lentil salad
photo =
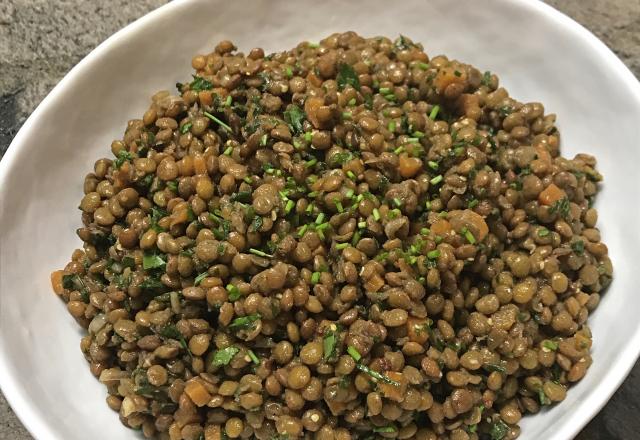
<point>345,240</point>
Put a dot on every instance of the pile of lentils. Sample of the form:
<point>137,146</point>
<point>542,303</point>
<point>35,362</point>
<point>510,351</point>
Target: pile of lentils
<point>346,240</point>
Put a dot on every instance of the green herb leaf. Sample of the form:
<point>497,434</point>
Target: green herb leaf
<point>244,322</point>
<point>151,283</point>
<point>544,400</point>
<point>388,428</point>
<point>354,353</point>
<point>254,358</point>
<point>152,261</point>
<point>199,84</point>
<point>241,196</point>
<point>376,375</point>
<point>186,127</point>
<point>498,430</point>
<point>347,76</point>
<point>123,156</point>
<point>234,292</point>
<point>256,224</point>
<point>171,332</point>
<point>200,277</point>
<point>329,344</point>
<point>550,345</point>
<point>543,232</point>
<point>294,116</point>
<point>578,247</point>
<point>486,79</point>
<point>495,367</point>
<point>562,207</point>
<point>219,122</point>
<point>224,356</point>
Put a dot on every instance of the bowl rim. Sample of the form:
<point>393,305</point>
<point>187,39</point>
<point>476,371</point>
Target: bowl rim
<point>573,421</point>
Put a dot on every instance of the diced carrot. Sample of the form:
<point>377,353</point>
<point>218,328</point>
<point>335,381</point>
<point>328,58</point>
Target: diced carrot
<point>417,330</point>
<point>394,392</point>
<point>441,227</point>
<point>56,281</point>
<point>543,153</point>
<point>197,393</point>
<point>550,195</point>
<point>311,106</point>
<point>447,76</point>
<point>205,97</point>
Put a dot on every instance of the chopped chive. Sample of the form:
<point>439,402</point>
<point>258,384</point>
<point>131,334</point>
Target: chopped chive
<point>354,353</point>
<point>376,375</point>
<point>218,121</point>
<point>320,233</point>
<point>234,292</point>
<point>346,115</point>
<point>469,236</point>
<point>434,112</point>
<point>360,198</point>
<point>543,232</point>
<point>309,208</point>
<point>425,231</point>
<point>200,277</point>
<point>356,238</point>
<point>443,214</point>
<point>289,71</point>
<point>392,126</point>
<point>302,230</point>
<point>349,193</point>
<point>322,226</point>
<point>351,175</point>
<point>260,253</point>
<point>413,140</point>
<point>433,165</point>
<point>264,139</point>
<point>438,239</point>
<point>418,134</point>
<point>315,278</point>
<point>310,163</point>
<point>398,150</point>
<point>339,206</point>
<point>320,218</point>
<point>397,202</point>
<point>427,205</point>
<point>473,203</point>
<point>352,101</point>
<point>376,214</point>
<point>432,255</point>
<point>248,180</point>
<point>289,207</point>
<point>384,90</point>
<point>314,45</point>
<point>423,66</point>
<point>308,136</point>
<point>228,101</point>
<point>342,245</point>
<point>313,194</point>
<point>362,225</point>
<point>436,179</point>
<point>253,357</point>
<point>550,345</point>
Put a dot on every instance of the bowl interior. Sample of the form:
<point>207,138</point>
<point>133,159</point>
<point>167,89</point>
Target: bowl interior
<point>538,54</point>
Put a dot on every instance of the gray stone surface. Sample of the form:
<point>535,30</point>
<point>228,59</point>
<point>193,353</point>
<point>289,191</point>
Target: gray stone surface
<point>41,40</point>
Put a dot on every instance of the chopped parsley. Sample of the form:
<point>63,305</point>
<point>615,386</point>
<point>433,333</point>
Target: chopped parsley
<point>347,76</point>
<point>294,116</point>
<point>224,356</point>
<point>122,157</point>
<point>186,127</point>
<point>244,322</point>
<point>200,278</point>
<point>561,207</point>
<point>498,430</point>
<point>329,343</point>
<point>578,247</point>
<point>152,261</point>
<point>199,84</point>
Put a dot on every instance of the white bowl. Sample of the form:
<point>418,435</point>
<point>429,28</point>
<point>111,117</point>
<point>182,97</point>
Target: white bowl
<point>539,54</point>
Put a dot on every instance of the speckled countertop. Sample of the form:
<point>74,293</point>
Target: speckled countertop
<point>41,40</point>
